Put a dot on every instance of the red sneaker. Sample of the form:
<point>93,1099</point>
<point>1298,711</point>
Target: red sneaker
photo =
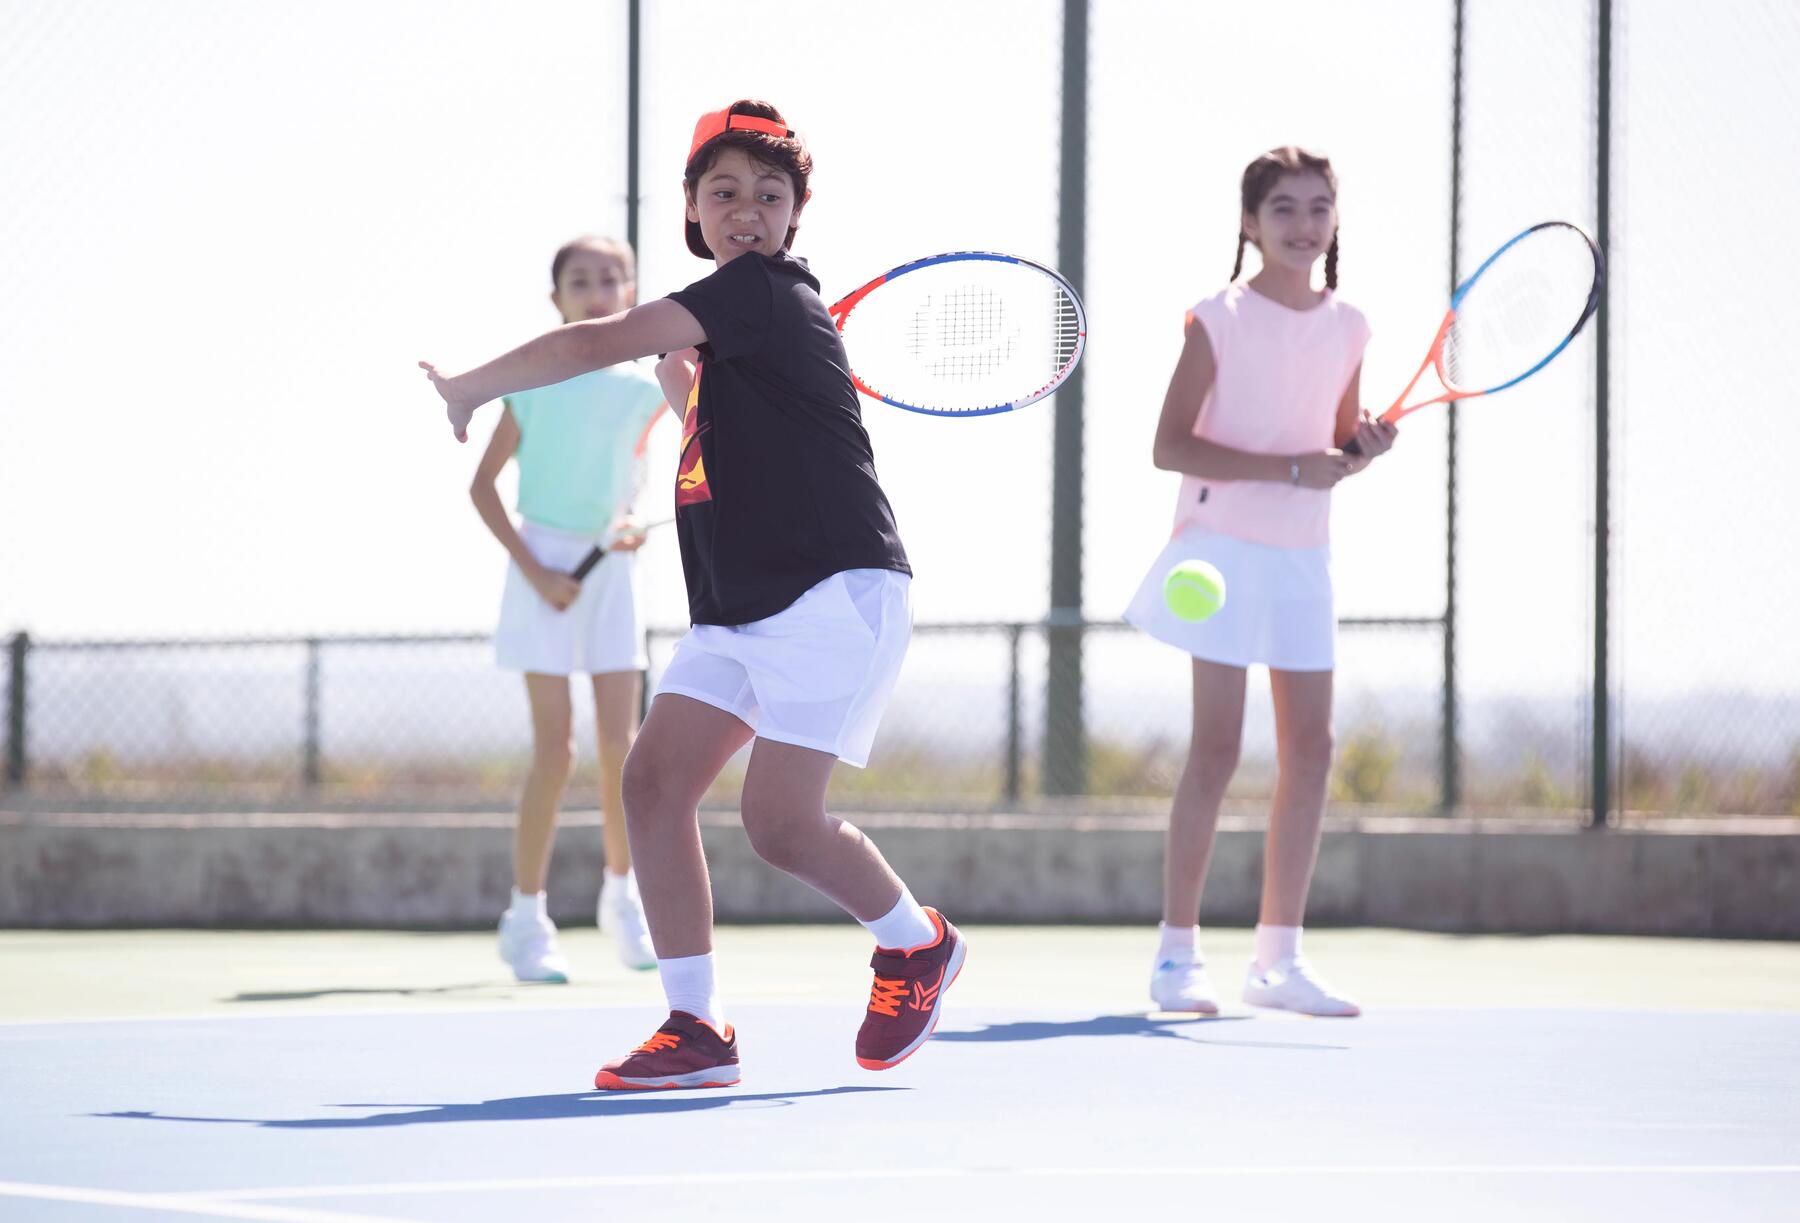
<point>684,1052</point>
<point>907,995</point>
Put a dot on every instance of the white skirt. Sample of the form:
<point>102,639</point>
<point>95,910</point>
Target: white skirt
<point>1278,609</point>
<point>598,633</point>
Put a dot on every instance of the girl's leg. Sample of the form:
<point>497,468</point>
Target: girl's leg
<point>785,817</point>
<point>1303,744</point>
<point>680,750</point>
<point>552,758</point>
<point>617,695</point>
<point>1194,815</point>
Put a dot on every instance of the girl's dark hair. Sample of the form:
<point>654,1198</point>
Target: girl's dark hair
<point>787,154</point>
<point>1260,177</point>
<point>592,242</point>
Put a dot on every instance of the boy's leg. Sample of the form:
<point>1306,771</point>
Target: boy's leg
<point>1279,976</point>
<point>917,951</point>
<point>680,750</point>
<point>785,818</point>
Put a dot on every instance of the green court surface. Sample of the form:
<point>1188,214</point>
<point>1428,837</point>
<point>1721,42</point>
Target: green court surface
<point>72,975</point>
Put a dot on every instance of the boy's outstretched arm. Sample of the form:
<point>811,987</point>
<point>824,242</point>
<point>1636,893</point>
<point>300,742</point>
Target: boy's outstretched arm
<point>556,356</point>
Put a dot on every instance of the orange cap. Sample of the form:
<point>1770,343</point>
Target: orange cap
<point>712,125</point>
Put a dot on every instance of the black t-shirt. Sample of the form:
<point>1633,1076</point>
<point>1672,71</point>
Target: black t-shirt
<point>776,487</point>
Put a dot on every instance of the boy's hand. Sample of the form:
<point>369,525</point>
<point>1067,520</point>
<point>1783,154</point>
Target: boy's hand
<point>557,589</point>
<point>456,404</point>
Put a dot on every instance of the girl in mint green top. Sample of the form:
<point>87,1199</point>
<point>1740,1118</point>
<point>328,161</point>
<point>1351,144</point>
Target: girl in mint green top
<point>577,444</point>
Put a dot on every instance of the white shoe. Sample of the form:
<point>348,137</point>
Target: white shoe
<point>621,914</point>
<point>1182,985</point>
<point>528,945</point>
<point>1291,985</point>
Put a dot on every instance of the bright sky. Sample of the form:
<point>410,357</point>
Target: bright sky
<point>229,231</point>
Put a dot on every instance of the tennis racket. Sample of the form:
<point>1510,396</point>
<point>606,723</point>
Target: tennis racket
<point>1511,317</point>
<point>599,551</point>
<point>969,333</point>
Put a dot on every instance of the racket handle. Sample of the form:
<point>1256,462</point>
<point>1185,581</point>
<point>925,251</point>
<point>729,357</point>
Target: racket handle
<point>594,557</point>
<point>1350,447</point>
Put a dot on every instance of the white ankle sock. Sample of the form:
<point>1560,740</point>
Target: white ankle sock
<point>1275,944</point>
<point>688,983</point>
<point>1178,943</point>
<point>529,904</point>
<point>904,926</point>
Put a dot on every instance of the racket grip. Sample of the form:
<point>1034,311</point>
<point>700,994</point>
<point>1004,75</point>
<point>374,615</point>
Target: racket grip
<point>587,564</point>
<point>1350,447</point>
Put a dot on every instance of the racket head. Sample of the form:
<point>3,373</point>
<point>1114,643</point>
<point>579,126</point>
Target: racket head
<point>967,333</point>
<point>1521,307</point>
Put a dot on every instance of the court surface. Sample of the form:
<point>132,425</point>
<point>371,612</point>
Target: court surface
<point>345,1076</point>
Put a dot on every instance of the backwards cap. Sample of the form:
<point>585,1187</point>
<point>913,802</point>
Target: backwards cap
<point>712,125</point>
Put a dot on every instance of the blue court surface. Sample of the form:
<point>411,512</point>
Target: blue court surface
<point>1048,1110</point>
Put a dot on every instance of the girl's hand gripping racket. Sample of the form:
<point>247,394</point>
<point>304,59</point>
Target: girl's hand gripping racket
<point>964,334</point>
<point>599,552</point>
<point>1511,317</point>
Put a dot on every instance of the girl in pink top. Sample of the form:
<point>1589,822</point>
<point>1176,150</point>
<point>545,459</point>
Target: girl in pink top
<point>1262,401</point>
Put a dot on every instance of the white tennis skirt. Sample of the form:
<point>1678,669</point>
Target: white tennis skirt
<point>1278,609</point>
<point>600,632</point>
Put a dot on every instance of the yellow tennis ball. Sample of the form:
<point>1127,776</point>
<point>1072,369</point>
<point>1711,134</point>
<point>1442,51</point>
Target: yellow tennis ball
<point>1194,590</point>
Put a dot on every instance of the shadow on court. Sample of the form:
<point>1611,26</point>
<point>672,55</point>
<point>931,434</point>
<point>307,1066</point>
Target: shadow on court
<point>1185,1030</point>
<point>560,1107</point>
<point>358,991</point>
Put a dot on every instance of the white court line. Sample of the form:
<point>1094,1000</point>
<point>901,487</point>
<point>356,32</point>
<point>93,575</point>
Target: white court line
<point>181,1203</point>
<point>654,1179</point>
<point>519,1007</point>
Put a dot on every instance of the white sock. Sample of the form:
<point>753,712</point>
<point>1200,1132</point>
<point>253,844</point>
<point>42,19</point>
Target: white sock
<point>904,926</point>
<point>1275,944</point>
<point>615,887</point>
<point>1178,943</point>
<point>529,904</point>
<point>688,983</point>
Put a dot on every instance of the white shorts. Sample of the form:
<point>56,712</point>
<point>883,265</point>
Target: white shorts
<point>598,633</point>
<point>1278,608</point>
<point>817,674</point>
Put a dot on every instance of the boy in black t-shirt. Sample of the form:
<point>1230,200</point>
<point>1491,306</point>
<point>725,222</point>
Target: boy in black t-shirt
<point>797,588</point>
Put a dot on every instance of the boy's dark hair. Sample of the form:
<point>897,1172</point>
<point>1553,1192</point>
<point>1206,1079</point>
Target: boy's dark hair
<point>592,242</point>
<point>787,154</point>
<point>1260,177</point>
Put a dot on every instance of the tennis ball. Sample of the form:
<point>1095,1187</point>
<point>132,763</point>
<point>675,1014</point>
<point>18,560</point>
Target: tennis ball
<point>1194,590</point>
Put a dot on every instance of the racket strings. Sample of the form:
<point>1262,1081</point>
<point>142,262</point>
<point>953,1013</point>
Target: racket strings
<point>1520,310</point>
<point>962,334</point>
<point>965,336</point>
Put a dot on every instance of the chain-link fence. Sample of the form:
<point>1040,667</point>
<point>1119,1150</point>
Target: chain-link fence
<point>288,216</point>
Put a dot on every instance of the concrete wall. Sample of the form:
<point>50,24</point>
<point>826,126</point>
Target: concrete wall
<point>1703,877</point>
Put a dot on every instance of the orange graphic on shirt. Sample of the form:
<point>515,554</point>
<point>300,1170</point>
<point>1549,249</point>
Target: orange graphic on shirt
<point>690,475</point>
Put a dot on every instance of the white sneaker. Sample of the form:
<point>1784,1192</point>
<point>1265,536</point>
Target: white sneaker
<point>1182,985</point>
<point>528,944</point>
<point>1291,985</point>
<point>621,914</point>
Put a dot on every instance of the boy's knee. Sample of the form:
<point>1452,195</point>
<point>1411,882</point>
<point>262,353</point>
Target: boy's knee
<point>643,786</point>
<point>777,837</point>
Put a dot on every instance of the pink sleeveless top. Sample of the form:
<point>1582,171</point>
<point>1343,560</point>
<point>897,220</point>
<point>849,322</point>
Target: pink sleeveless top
<point>1280,376</point>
